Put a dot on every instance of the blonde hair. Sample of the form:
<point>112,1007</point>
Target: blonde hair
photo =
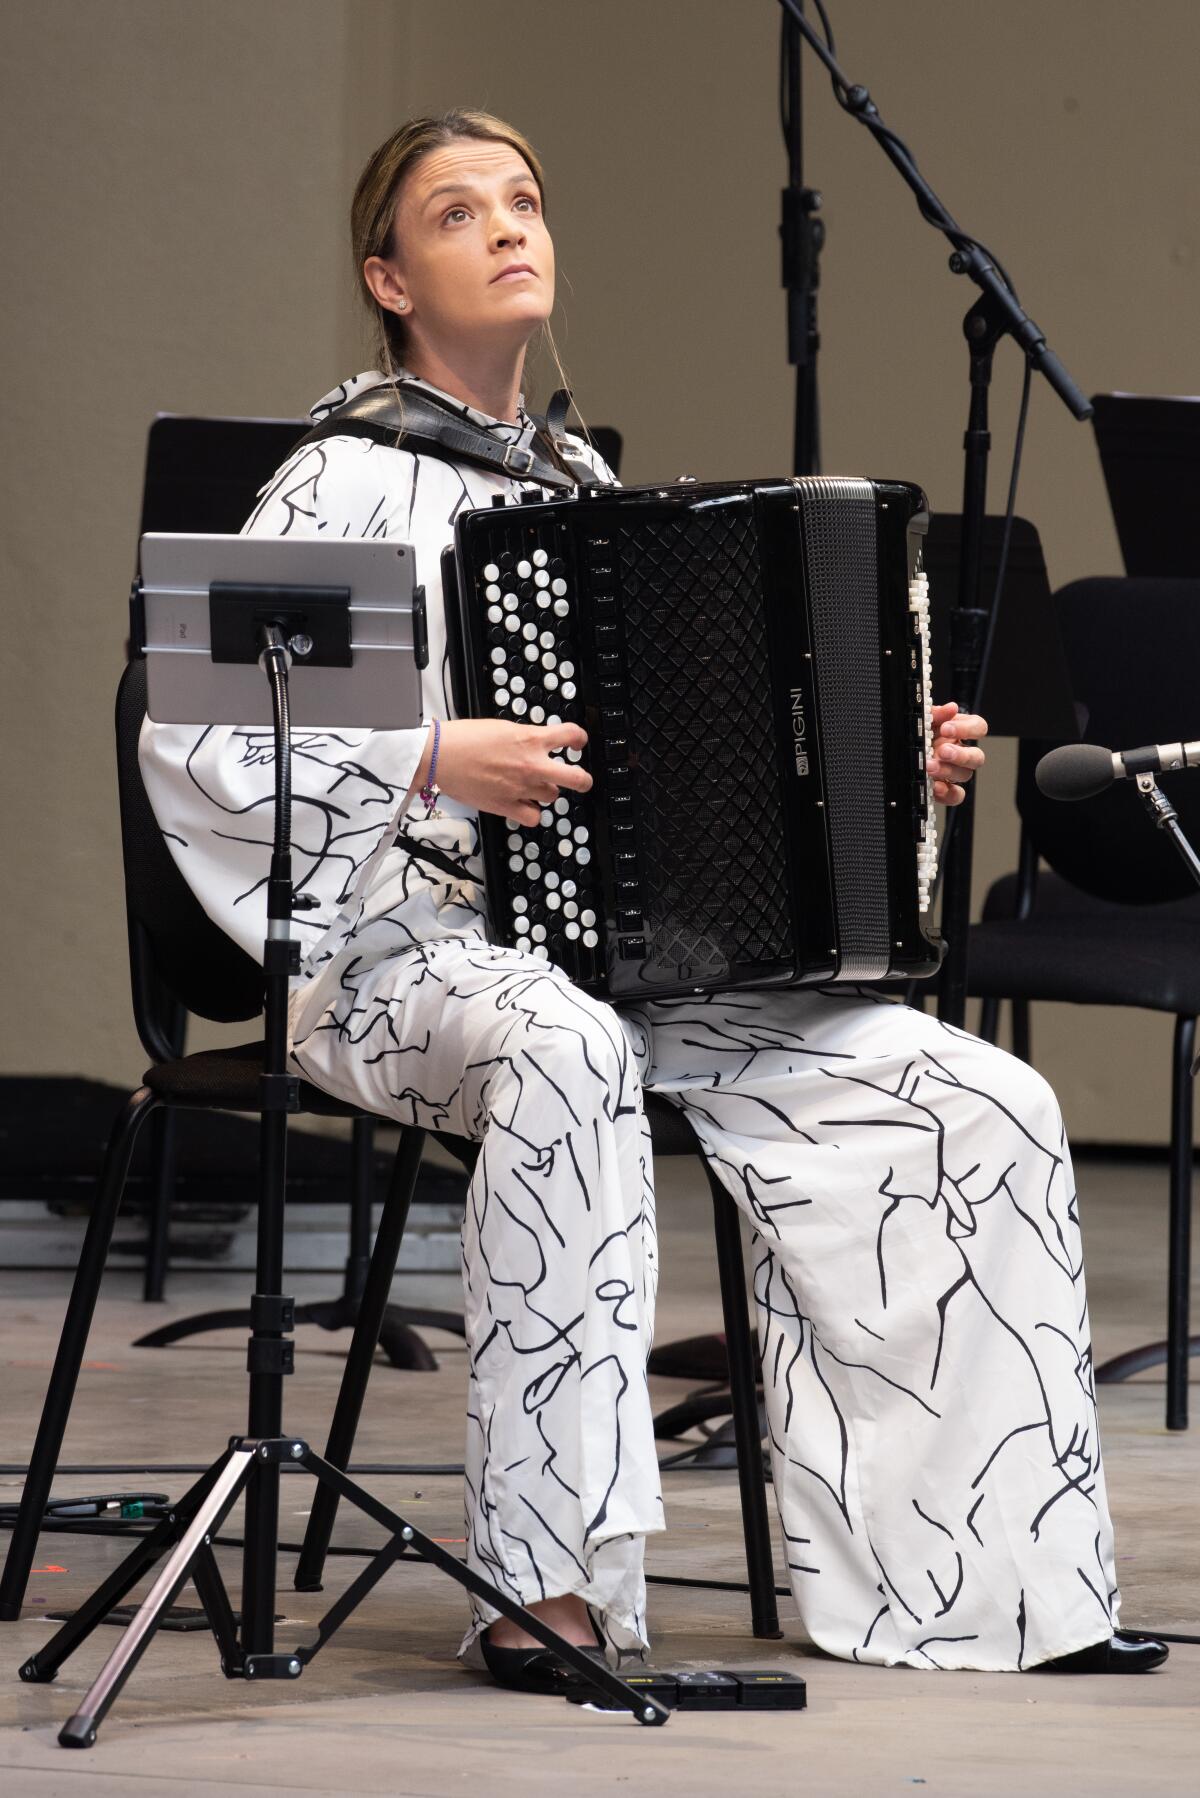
<point>373,209</point>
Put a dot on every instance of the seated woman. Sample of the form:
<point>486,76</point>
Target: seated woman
<point>926,1357</point>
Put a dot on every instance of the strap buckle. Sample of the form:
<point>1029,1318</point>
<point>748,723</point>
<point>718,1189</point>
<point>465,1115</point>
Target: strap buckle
<point>516,459</point>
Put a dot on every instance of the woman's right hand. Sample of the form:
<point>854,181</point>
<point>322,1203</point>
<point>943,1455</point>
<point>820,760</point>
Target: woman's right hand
<point>507,768</point>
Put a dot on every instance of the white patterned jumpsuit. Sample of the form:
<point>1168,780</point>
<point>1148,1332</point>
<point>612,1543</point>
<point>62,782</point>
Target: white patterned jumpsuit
<point>919,1280</point>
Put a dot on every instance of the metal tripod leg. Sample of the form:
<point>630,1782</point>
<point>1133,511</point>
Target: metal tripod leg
<point>357,1370</point>
<point>79,1731</point>
<point>743,1387</point>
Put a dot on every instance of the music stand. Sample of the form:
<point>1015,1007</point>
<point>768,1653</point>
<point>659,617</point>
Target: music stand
<point>251,621</point>
<point>1150,454</point>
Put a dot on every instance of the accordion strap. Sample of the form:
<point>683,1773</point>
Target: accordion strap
<point>436,858</point>
<point>410,418</point>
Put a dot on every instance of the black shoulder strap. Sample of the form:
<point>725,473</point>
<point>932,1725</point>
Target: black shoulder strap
<point>410,418</point>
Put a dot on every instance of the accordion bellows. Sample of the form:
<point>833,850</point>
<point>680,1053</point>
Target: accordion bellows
<point>751,664</point>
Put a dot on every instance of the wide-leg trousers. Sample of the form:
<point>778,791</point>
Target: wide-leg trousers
<point>919,1284</point>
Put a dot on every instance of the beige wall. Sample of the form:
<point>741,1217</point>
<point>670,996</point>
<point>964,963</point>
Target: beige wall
<point>178,179</point>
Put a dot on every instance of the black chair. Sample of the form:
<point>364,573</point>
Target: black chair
<point>179,957</point>
<point>1116,921</point>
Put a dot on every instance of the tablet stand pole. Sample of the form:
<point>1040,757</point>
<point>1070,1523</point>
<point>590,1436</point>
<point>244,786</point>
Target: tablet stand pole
<point>251,1462</point>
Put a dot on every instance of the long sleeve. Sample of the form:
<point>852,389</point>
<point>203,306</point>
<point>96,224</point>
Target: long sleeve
<point>212,790</point>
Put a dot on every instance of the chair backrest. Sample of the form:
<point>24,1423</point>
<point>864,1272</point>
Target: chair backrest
<point>1133,650</point>
<point>175,948</point>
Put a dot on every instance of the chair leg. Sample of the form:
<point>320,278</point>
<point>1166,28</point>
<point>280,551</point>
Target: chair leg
<point>989,1020</point>
<point>1020,1030</point>
<point>162,1195</point>
<point>1179,1254</point>
<point>357,1370</point>
<point>71,1344</point>
<point>743,1389</point>
<point>361,1184</point>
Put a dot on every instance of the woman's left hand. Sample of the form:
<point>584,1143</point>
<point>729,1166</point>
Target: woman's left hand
<point>955,758</point>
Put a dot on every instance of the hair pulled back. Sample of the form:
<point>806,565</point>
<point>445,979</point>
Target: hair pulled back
<point>373,209</point>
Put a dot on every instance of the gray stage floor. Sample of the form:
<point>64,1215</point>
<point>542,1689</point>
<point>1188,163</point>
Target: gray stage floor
<point>386,1709</point>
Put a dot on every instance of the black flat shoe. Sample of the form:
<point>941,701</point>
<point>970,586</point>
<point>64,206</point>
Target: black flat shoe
<point>533,1669</point>
<point>1126,1652</point>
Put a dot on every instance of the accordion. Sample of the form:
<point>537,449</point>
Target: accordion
<point>751,664</point>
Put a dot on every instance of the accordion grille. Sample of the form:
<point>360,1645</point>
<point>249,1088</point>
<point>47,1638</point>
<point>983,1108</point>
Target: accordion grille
<point>710,816</point>
<point>841,563</point>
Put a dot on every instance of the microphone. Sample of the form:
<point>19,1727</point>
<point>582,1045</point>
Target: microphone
<point>1080,770</point>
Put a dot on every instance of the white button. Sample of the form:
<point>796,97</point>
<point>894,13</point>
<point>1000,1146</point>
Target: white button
<point>520,903</point>
<point>516,841</point>
<point>545,819</point>
<point>511,824</point>
<point>563,826</point>
<point>536,714</point>
<point>562,805</point>
<point>491,573</point>
<point>524,569</point>
<point>538,933</point>
<point>511,623</point>
<point>551,878</point>
<point>552,899</point>
<point>547,641</point>
<point>580,833</point>
<point>540,558</point>
<point>541,951</point>
<point>520,925</point>
<point>583,856</point>
<point>529,632</point>
<point>572,931</point>
<point>502,696</point>
<point>499,677</point>
<point>516,863</point>
<point>567,670</point>
<point>561,608</point>
<point>549,659</point>
<point>494,614</point>
<point>587,917</point>
<point>531,652</point>
<point>499,655</point>
<point>519,706</point>
<point>590,939</point>
<point>551,682</point>
<point>569,889</point>
<point>530,852</point>
<point>570,909</point>
<point>573,755</point>
<point>564,847</point>
<point>568,692</point>
<point>554,717</point>
<point>533,871</point>
<point>492,593</point>
<point>542,578</point>
<point>543,600</point>
<point>511,602</point>
<point>559,586</point>
<point>517,683</point>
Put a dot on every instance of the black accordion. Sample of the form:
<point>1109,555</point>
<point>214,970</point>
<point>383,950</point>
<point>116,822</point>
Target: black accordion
<point>751,664</point>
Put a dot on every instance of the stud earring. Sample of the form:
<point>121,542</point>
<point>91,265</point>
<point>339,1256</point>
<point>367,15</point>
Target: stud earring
<point>401,305</point>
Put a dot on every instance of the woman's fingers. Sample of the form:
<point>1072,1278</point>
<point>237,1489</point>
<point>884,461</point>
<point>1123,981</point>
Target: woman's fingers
<point>562,736</point>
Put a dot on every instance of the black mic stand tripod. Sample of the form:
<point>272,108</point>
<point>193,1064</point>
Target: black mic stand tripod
<point>251,1463</point>
<point>995,314</point>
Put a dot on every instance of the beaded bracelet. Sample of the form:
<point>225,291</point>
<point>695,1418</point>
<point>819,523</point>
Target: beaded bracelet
<point>429,792</point>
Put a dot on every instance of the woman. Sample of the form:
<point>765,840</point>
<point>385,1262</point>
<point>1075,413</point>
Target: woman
<point>920,1287</point>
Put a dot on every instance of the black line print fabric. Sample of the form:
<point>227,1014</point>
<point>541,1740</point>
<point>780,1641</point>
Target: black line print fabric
<point>918,1271</point>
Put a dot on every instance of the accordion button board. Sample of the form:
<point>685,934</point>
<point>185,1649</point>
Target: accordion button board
<point>749,823</point>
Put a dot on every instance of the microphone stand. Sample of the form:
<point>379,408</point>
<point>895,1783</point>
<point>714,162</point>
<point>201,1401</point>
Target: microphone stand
<point>1167,818</point>
<point>802,236</point>
<point>995,314</point>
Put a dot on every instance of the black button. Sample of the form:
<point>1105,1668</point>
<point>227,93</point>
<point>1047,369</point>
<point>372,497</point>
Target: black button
<point>526,590</point>
<point>507,560</point>
<point>608,666</point>
<point>616,750</point>
<point>556,565</point>
<point>633,948</point>
<point>602,569</point>
<point>608,636</point>
<point>605,603</point>
<point>630,920</point>
<point>625,867</point>
<point>613,718</point>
